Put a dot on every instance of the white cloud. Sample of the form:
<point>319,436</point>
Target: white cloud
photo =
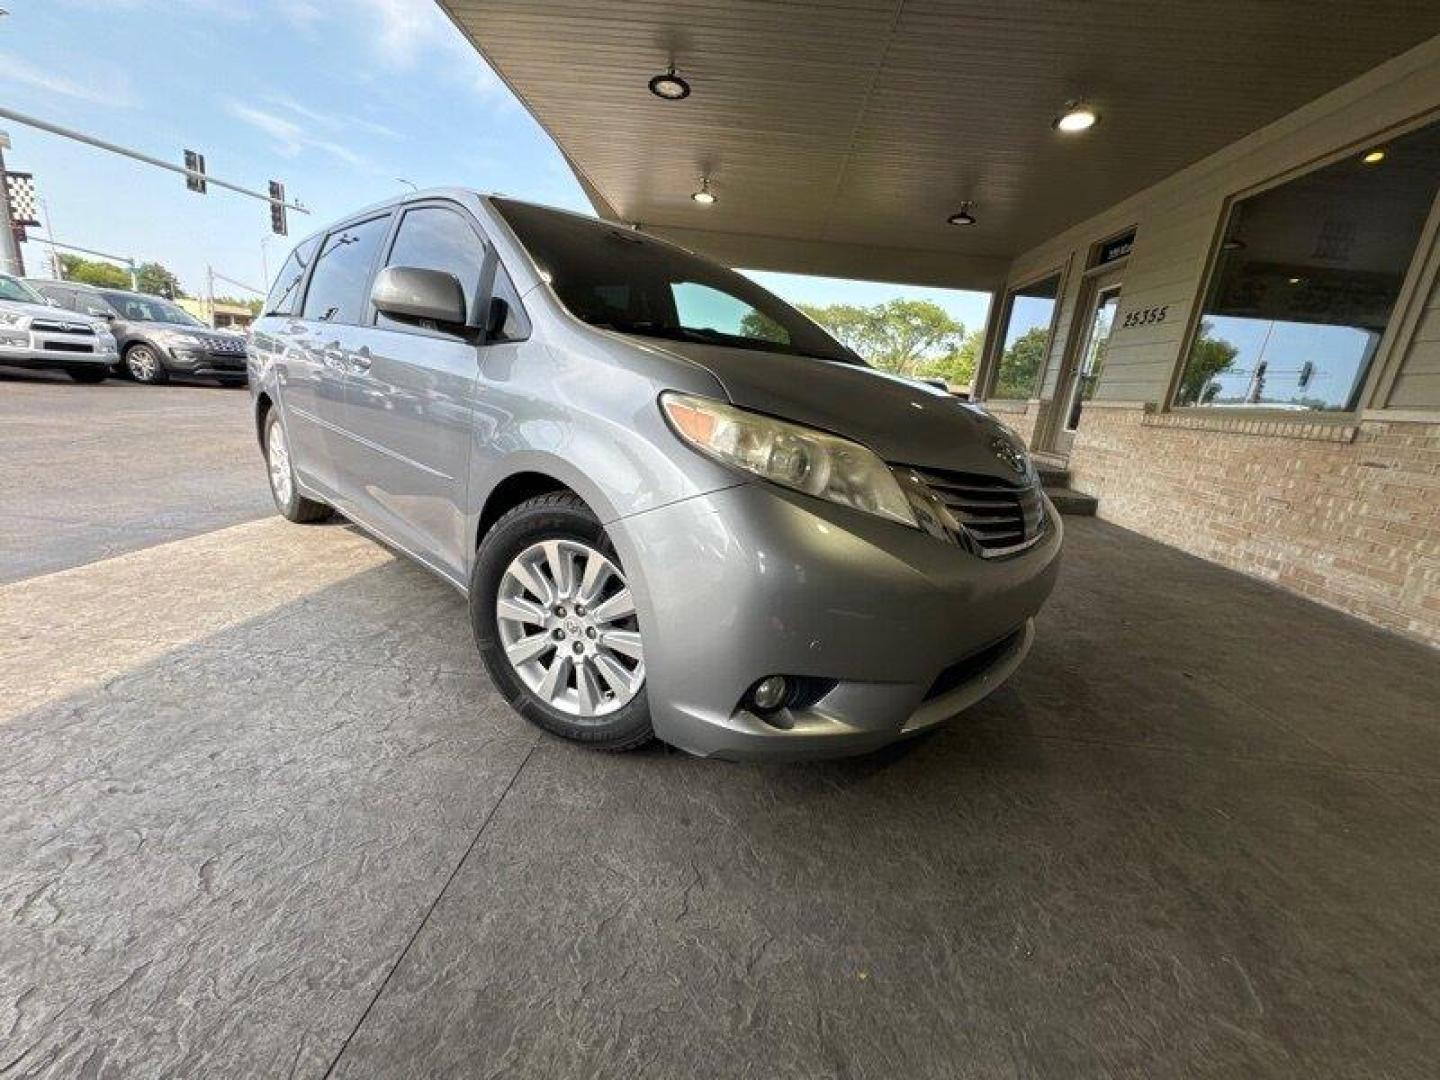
<point>403,34</point>
<point>102,85</point>
<point>291,138</point>
<point>332,121</point>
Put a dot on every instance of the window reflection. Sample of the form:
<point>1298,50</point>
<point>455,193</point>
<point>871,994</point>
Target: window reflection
<point>1026,339</point>
<point>1306,281</point>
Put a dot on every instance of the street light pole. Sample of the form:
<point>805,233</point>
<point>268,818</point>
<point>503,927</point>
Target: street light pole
<point>55,267</point>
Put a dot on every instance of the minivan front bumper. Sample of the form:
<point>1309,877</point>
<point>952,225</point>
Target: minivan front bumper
<point>898,629</point>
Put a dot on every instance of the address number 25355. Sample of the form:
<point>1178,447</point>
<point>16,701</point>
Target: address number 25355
<point>1145,316</point>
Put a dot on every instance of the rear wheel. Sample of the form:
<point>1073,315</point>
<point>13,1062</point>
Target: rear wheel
<point>286,493</point>
<point>87,375</point>
<point>556,624</point>
<point>143,364</point>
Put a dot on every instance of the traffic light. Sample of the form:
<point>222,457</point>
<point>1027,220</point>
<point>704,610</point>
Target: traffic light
<point>195,164</point>
<point>277,209</point>
<point>1307,372</point>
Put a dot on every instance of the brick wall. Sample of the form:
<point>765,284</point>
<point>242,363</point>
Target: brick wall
<point>1348,516</point>
<point>1023,417</point>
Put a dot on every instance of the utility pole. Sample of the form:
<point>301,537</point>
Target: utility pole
<point>10,259</point>
<point>55,269</point>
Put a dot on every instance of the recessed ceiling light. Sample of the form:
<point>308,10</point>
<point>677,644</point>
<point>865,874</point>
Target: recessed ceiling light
<point>1374,157</point>
<point>1077,117</point>
<point>669,86</point>
<point>963,216</point>
<point>1296,280</point>
<point>705,197</point>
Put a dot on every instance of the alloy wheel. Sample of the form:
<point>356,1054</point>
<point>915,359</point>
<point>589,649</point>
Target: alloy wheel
<point>568,627</point>
<point>143,363</point>
<point>282,482</point>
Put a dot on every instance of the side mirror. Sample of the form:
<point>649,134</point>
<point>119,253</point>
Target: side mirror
<point>416,293</point>
<point>496,318</point>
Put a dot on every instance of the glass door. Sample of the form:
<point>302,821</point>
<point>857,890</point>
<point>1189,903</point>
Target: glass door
<point>1104,297</point>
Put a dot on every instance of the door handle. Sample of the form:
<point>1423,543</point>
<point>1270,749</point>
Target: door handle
<point>362,359</point>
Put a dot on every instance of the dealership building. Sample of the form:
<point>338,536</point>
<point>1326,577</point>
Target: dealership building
<point>1210,231</point>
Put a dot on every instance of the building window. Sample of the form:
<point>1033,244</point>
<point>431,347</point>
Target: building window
<point>1025,339</point>
<point>1306,279</point>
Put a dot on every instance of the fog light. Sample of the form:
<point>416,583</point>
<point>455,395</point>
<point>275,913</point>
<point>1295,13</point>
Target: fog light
<point>770,693</point>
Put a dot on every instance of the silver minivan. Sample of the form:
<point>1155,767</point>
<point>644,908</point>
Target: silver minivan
<point>678,508</point>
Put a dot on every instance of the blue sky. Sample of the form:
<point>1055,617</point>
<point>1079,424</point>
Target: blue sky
<point>337,98</point>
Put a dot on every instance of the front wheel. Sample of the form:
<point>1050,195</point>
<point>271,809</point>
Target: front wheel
<point>556,624</point>
<point>144,365</point>
<point>292,505</point>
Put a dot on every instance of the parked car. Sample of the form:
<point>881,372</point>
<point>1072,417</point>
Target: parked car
<point>36,334</point>
<point>157,338</point>
<point>677,506</point>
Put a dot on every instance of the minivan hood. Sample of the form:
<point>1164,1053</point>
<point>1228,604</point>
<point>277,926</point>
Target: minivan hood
<point>904,421</point>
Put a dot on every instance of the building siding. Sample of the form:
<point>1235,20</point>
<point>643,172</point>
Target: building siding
<point>1344,510</point>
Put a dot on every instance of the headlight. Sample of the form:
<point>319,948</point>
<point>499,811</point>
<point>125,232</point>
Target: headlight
<point>796,457</point>
<point>174,338</point>
<point>13,318</point>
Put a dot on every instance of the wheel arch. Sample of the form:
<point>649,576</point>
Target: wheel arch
<point>510,492</point>
<point>263,404</point>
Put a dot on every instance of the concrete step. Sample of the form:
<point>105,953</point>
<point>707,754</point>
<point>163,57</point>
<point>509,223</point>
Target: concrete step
<point>1053,475</point>
<point>1069,501</point>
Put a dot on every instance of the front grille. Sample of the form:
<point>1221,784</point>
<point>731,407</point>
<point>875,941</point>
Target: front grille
<point>997,515</point>
<point>68,346</point>
<point>55,326</point>
<point>225,345</point>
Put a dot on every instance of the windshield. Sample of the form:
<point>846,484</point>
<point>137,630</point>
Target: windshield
<point>619,279</point>
<point>15,289</point>
<point>138,308</point>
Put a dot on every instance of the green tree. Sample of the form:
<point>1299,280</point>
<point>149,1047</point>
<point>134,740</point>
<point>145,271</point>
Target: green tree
<point>253,303</point>
<point>851,325</point>
<point>956,367</point>
<point>755,324</point>
<point>151,277</point>
<point>902,336</point>
<point>1209,356</point>
<point>1020,365</point>
<point>94,272</point>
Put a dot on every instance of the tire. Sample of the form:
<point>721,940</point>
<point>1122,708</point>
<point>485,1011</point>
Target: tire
<point>591,656</point>
<point>281,472</point>
<point>88,376</point>
<point>143,364</point>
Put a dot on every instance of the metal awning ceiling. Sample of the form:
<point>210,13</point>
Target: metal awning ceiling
<point>839,135</point>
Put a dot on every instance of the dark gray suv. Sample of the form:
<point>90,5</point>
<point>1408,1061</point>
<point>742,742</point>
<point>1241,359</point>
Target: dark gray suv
<point>156,337</point>
<point>678,507</point>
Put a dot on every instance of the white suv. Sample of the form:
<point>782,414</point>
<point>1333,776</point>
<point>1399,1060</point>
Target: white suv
<point>36,334</point>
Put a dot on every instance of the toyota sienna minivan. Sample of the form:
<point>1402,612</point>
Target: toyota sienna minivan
<point>678,508</point>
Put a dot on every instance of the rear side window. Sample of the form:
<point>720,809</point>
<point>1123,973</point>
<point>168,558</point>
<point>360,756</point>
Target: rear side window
<point>435,238</point>
<point>337,291</point>
<point>284,298</point>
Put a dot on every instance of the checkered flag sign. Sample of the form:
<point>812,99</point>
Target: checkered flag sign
<point>24,203</point>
